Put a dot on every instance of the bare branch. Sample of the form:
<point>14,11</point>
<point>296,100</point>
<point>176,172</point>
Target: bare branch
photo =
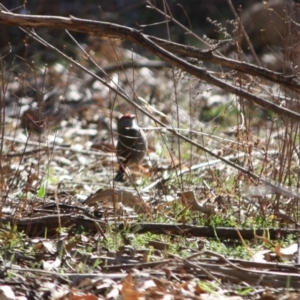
<point>137,37</point>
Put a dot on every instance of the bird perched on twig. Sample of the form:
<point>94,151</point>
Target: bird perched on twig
<point>132,144</point>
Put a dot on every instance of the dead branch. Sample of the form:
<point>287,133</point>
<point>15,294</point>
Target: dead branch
<point>137,37</point>
<point>207,231</point>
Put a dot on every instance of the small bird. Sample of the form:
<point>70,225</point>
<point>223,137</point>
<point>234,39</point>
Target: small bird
<point>132,144</point>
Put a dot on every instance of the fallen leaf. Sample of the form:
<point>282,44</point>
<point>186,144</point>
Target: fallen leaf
<point>112,195</point>
<point>128,292</point>
<point>189,200</point>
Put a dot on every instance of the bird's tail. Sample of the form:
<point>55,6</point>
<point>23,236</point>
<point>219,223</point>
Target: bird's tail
<point>120,176</point>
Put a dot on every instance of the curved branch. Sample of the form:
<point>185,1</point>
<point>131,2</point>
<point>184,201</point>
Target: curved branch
<point>208,56</point>
<point>137,37</point>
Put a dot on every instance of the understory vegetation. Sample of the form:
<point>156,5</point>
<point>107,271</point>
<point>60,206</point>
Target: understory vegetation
<point>212,211</point>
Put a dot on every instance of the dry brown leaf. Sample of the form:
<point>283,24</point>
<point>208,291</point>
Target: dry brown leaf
<point>79,296</point>
<point>189,200</point>
<point>110,196</point>
<point>71,245</point>
<point>128,292</point>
